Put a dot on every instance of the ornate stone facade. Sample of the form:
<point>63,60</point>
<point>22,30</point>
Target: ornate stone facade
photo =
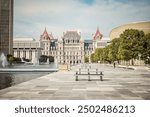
<point>70,49</point>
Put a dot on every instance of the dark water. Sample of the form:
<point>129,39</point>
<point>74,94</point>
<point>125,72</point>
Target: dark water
<point>10,79</point>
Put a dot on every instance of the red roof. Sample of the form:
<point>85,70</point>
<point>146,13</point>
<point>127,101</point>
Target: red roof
<point>97,34</point>
<point>45,35</point>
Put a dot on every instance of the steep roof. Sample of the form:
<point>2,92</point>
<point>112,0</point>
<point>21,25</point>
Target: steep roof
<point>97,35</point>
<point>46,36</point>
<point>71,34</point>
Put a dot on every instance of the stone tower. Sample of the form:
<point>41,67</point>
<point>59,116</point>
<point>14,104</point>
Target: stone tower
<point>97,37</point>
<point>6,26</point>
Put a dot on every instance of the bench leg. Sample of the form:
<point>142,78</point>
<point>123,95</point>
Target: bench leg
<point>76,76</point>
<point>89,77</point>
<point>101,78</point>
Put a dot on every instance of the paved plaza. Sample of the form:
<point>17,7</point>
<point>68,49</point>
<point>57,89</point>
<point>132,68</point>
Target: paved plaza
<point>118,83</point>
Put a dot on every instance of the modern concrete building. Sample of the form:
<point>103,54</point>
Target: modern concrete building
<point>6,26</point>
<point>144,26</point>
<point>27,48</point>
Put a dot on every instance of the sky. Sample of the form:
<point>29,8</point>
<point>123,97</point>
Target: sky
<point>31,17</point>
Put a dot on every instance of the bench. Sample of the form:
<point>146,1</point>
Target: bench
<point>88,73</point>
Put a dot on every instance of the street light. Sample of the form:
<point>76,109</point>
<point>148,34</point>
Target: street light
<point>139,55</point>
<point>148,59</point>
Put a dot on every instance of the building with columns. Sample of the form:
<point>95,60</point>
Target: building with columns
<point>27,48</point>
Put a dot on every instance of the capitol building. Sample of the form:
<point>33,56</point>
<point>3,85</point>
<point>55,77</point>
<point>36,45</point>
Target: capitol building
<point>70,49</point>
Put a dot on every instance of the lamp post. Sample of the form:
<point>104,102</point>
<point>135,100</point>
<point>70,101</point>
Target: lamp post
<point>139,55</point>
<point>63,51</point>
<point>148,60</point>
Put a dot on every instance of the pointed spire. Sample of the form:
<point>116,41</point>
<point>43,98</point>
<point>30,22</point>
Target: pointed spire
<point>97,35</point>
<point>97,28</point>
<point>45,32</point>
<point>45,35</point>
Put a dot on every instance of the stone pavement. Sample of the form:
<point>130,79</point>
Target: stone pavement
<point>119,83</point>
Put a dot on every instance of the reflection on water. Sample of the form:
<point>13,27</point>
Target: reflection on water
<point>10,79</point>
<point>5,80</point>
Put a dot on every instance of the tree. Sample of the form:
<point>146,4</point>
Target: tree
<point>92,57</point>
<point>146,48</point>
<point>86,59</point>
<point>43,58</point>
<point>113,49</point>
<point>51,58</point>
<point>97,54</point>
<point>10,59</point>
<point>105,54</point>
<point>130,44</point>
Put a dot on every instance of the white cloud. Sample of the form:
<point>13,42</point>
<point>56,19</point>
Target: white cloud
<point>32,16</point>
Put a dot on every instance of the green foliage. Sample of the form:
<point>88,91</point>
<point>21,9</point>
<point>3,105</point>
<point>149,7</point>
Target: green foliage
<point>92,57</point>
<point>27,60</point>
<point>128,46</point>
<point>43,59</point>
<point>10,59</point>
<point>86,59</point>
<point>51,58</point>
<point>113,49</point>
<point>17,60</point>
<point>105,54</point>
<point>146,48</point>
<point>131,44</point>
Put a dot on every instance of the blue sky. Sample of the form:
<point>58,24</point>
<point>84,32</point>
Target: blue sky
<point>32,16</point>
